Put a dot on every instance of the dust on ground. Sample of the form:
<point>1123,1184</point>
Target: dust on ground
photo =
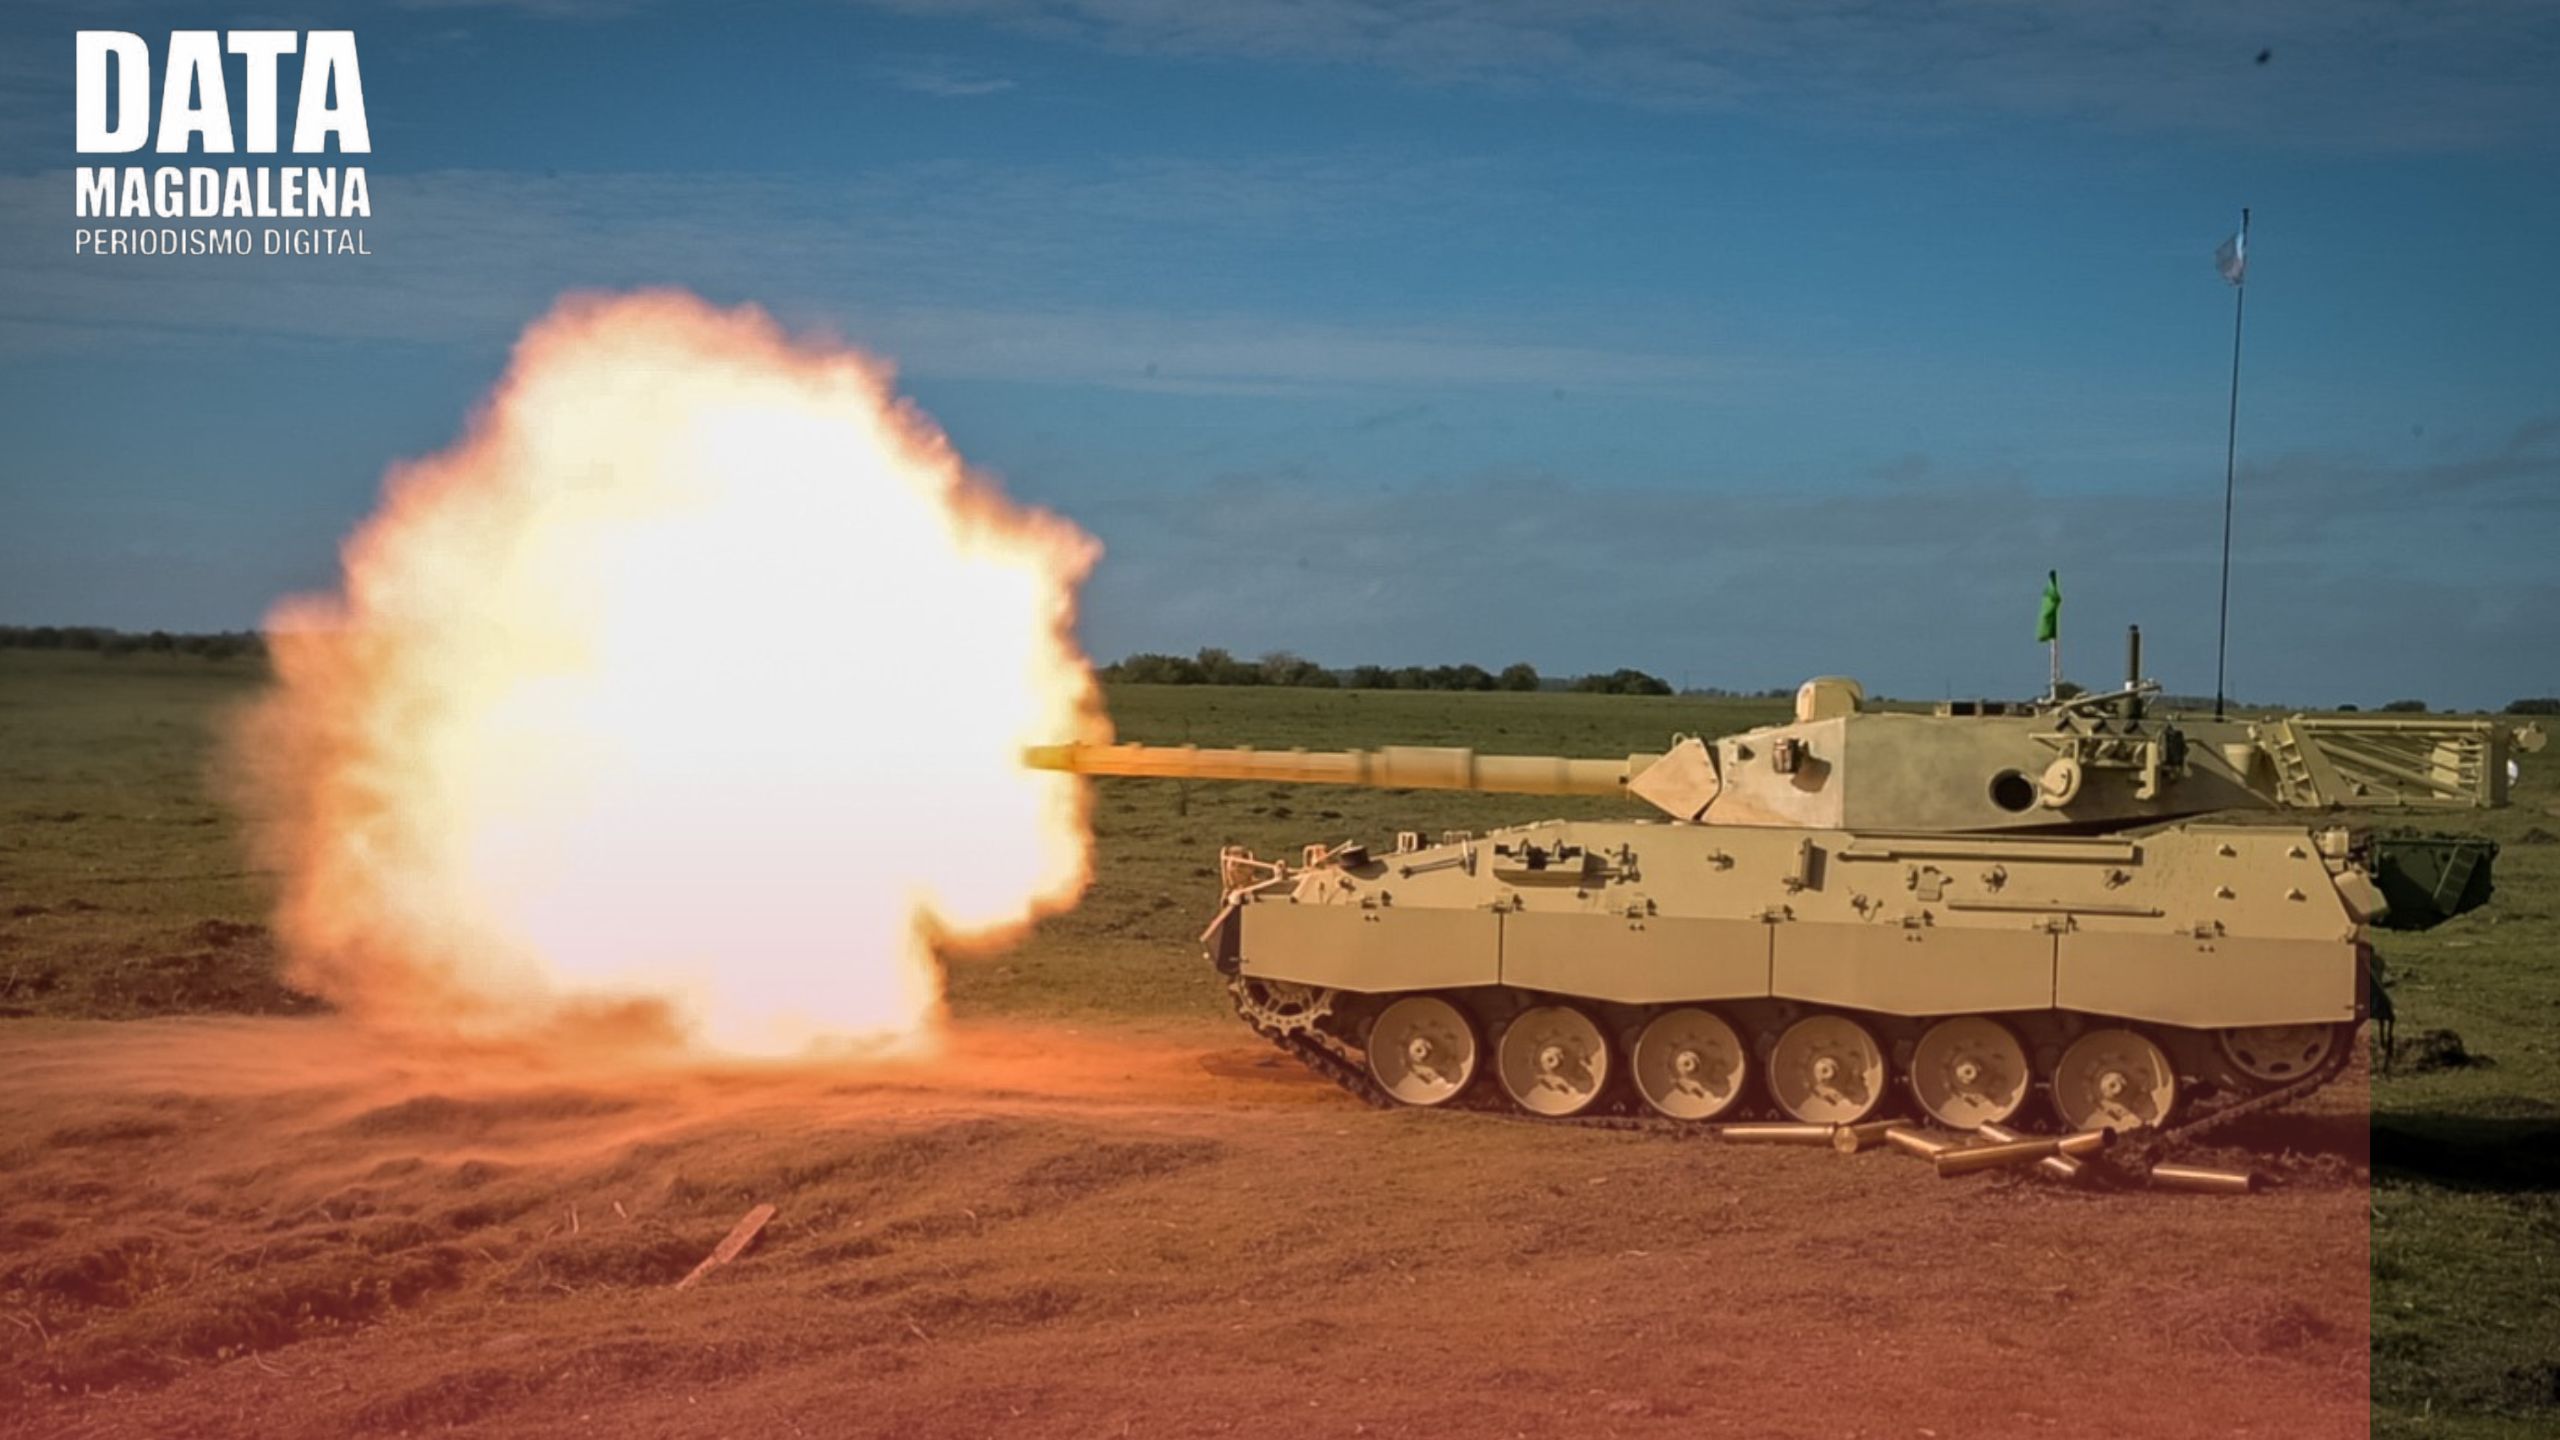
<point>288,1227</point>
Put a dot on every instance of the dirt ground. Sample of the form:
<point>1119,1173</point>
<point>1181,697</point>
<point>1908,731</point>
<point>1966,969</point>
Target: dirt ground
<point>285,1227</point>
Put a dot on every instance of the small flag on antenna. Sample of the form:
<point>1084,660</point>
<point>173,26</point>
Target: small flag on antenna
<point>2231,257</point>
<point>2049,615</point>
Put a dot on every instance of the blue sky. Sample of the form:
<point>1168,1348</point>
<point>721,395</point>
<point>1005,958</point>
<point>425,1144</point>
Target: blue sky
<point>1738,342</point>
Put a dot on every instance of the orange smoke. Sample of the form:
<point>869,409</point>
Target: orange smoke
<point>688,684</point>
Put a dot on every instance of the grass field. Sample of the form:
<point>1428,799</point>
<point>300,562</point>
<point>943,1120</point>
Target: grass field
<point>124,892</point>
<point>123,886</point>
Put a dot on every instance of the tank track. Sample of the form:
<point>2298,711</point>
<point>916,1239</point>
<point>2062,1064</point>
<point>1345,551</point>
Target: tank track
<point>2140,1151</point>
<point>2125,1163</point>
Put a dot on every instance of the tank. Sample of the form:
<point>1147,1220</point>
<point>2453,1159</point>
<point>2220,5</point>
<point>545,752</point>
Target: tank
<point>2054,915</point>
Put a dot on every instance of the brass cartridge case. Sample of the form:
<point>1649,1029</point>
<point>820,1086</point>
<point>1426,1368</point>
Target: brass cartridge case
<point>1916,1142</point>
<point>2198,1178</point>
<point>2085,1142</point>
<point>1850,1139</point>
<point>1776,1134</point>
<point>2060,1166</point>
<point>1952,1163</point>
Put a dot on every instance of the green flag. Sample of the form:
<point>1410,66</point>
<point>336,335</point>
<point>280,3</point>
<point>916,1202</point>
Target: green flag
<point>2049,615</point>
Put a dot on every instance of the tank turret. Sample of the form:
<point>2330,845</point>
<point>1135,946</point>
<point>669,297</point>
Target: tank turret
<point>2090,764</point>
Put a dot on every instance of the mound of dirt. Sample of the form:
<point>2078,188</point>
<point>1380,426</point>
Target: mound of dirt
<point>2436,1049</point>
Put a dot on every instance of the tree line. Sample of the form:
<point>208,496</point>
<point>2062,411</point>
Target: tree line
<point>217,645</point>
<point>1209,667</point>
<point>1213,666</point>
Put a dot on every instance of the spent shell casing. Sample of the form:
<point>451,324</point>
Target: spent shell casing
<point>1916,1142</point>
<point>1952,1163</point>
<point>1850,1139</point>
<point>2086,1142</point>
<point>2202,1180</point>
<point>1777,1134</point>
<point>2060,1166</point>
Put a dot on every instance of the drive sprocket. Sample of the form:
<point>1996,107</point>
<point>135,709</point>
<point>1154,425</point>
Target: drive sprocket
<point>1280,1007</point>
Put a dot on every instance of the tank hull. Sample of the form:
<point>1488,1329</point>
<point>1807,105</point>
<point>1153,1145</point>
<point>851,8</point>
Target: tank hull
<point>2185,936</point>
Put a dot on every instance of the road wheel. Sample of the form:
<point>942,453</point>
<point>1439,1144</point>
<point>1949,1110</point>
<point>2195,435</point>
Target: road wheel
<point>2276,1054</point>
<point>1689,1064</point>
<point>1554,1061</point>
<point>2114,1079</point>
<point>1827,1070</point>
<point>1969,1072</point>
<point>1423,1050</point>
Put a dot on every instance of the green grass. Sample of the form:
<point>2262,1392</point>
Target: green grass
<point>123,888</point>
<point>123,891</point>
<point>2466,1194</point>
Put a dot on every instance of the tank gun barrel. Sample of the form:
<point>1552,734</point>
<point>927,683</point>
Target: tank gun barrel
<point>1394,767</point>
